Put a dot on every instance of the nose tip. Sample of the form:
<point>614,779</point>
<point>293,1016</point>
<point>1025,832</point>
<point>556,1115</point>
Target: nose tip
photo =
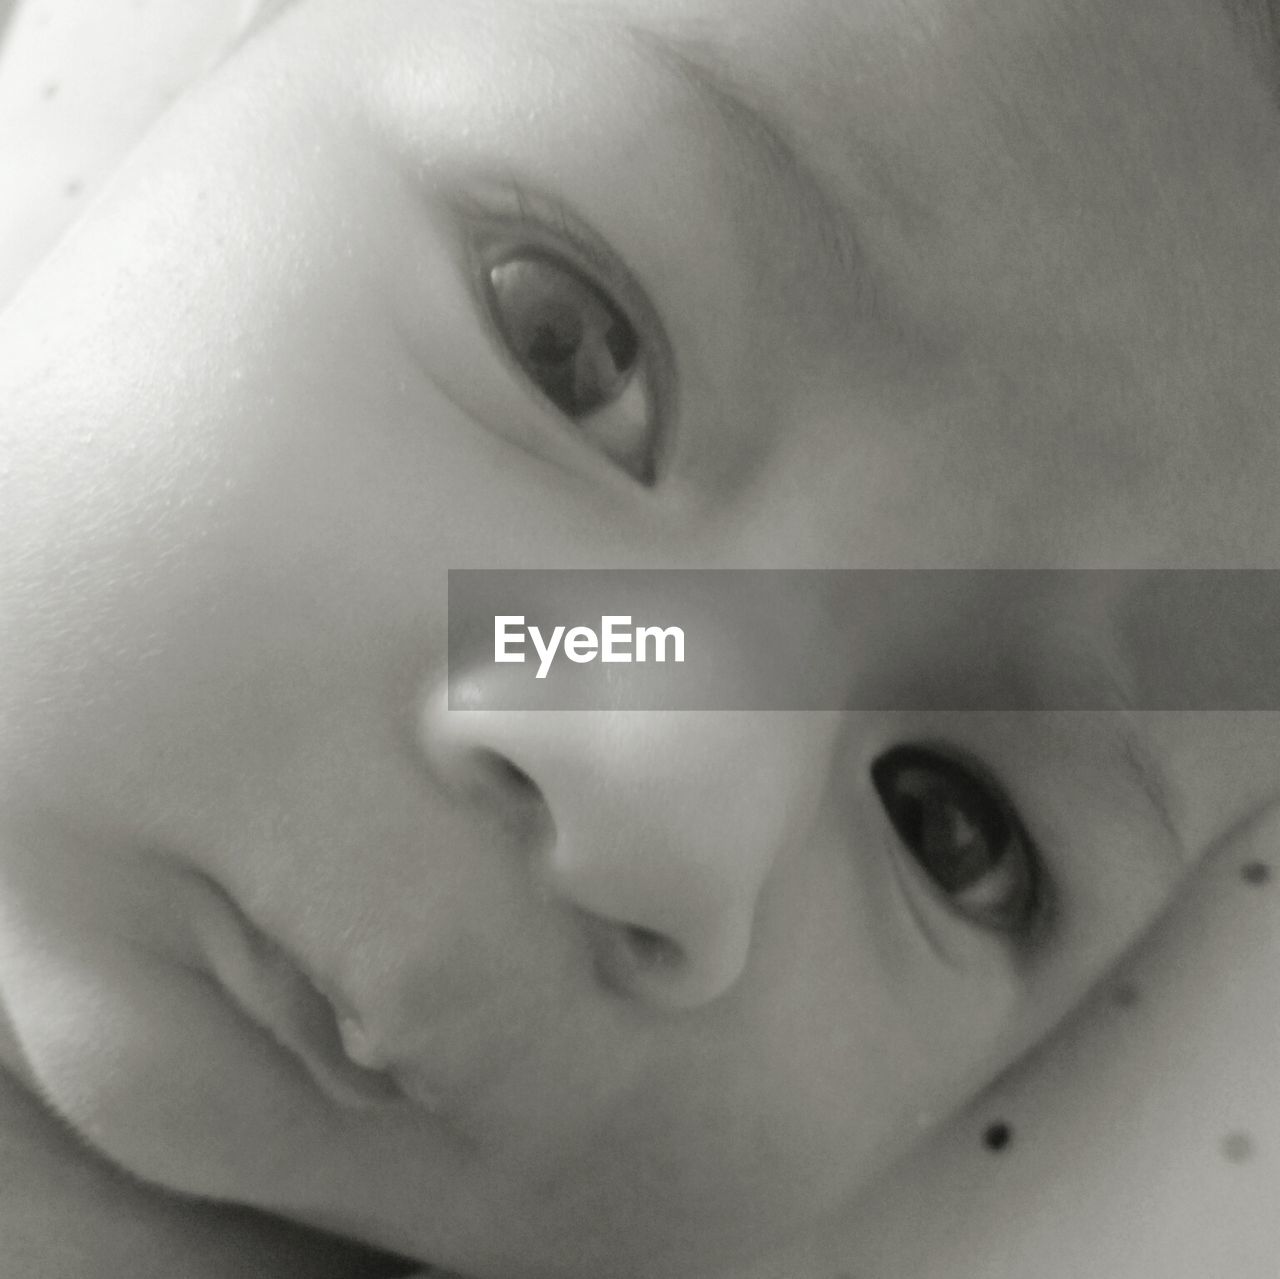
<point>659,829</point>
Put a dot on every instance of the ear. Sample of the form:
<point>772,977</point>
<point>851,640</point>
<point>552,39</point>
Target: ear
<point>1144,1137</point>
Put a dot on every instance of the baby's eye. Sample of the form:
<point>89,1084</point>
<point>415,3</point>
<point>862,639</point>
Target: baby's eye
<point>580,350</point>
<point>963,833</point>
<point>570,339</point>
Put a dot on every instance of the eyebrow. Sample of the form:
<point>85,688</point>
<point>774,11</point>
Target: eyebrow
<point>763,149</point>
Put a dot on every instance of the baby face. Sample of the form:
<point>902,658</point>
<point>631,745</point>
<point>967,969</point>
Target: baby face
<point>886,285</point>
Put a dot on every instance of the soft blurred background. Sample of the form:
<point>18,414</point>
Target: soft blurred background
<point>80,82</point>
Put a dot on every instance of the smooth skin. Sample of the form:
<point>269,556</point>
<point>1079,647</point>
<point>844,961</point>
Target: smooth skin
<point>995,289</point>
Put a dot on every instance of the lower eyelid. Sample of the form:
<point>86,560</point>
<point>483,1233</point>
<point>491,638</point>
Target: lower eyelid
<point>908,893</point>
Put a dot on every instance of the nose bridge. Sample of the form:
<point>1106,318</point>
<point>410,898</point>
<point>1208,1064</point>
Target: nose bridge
<point>663,823</point>
<point>677,814</point>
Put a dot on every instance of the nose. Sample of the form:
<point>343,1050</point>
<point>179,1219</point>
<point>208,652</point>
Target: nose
<point>660,828</point>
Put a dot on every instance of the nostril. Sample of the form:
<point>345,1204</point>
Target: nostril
<point>631,959</point>
<point>502,770</point>
<point>505,791</point>
<point>489,771</point>
<point>651,948</point>
<point>488,779</point>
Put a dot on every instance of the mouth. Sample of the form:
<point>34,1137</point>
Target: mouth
<point>274,992</point>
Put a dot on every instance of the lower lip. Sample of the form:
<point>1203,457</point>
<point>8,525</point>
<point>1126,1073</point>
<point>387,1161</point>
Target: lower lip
<point>274,993</point>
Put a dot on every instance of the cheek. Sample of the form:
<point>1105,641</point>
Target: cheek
<point>219,465</point>
<point>864,1038</point>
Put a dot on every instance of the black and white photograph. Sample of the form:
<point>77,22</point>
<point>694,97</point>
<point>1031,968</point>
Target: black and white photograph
<point>639,639</point>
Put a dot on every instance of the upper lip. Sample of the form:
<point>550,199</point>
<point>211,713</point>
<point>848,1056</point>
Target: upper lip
<point>276,993</point>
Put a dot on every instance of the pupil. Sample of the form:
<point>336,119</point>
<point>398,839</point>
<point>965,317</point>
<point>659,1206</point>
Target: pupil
<point>555,338</point>
<point>572,341</point>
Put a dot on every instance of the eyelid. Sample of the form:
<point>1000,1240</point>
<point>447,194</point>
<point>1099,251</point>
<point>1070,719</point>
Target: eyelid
<point>513,203</point>
<point>502,215</point>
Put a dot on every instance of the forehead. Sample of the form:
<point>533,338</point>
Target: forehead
<point>1059,209</point>
<point>1011,136</point>
<point>872,71</point>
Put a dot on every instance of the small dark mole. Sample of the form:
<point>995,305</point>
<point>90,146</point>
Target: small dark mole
<point>997,1136</point>
<point>1238,1147</point>
<point>1126,995</point>
<point>1256,873</point>
<point>73,188</point>
<point>50,90</point>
